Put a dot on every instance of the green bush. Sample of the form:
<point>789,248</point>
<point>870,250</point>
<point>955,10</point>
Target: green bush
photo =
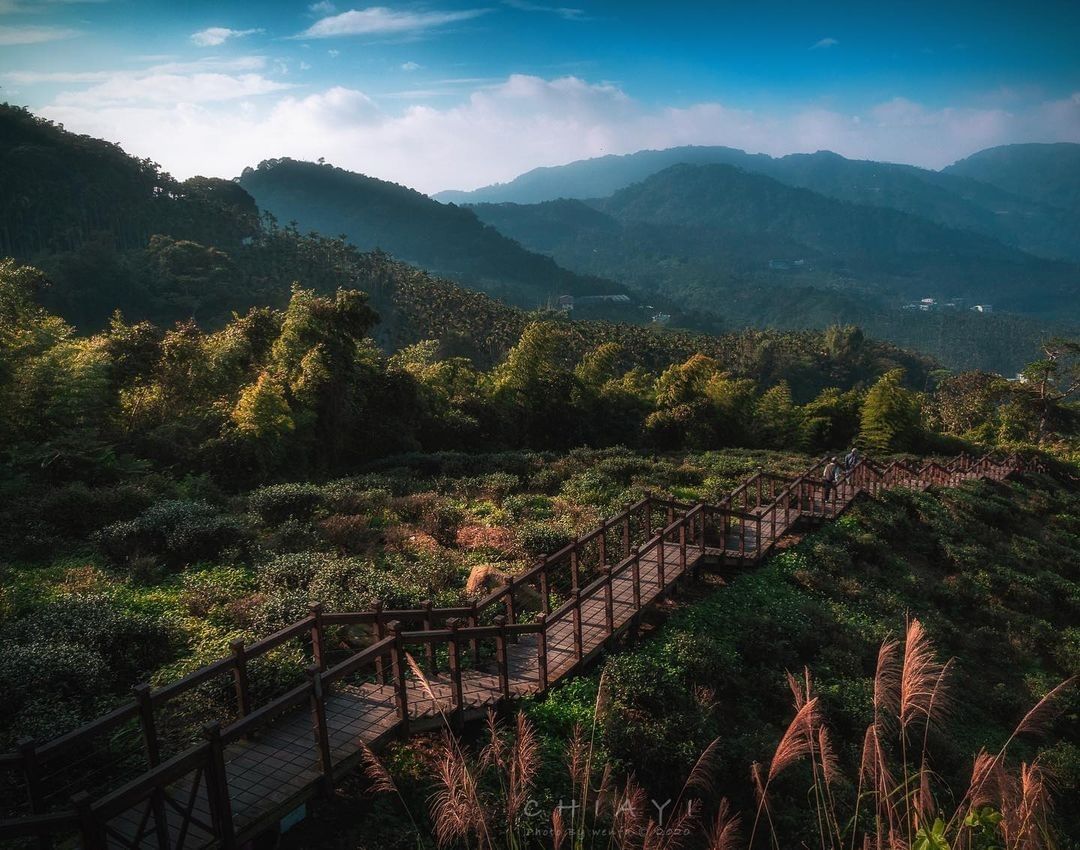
<point>280,502</point>
<point>539,538</point>
<point>178,532</point>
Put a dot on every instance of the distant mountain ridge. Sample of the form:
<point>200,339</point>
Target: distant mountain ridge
<point>1046,173</point>
<point>445,240</point>
<point>951,197</point>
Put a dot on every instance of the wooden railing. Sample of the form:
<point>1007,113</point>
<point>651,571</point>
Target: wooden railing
<point>666,536</point>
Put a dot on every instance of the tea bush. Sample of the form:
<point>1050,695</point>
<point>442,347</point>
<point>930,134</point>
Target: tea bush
<point>176,531</point>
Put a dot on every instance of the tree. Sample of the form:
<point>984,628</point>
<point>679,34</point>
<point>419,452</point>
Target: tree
<point>889,420</point>
<point>262,410</point>
<point>1048,383</point>
<point>778,418</point>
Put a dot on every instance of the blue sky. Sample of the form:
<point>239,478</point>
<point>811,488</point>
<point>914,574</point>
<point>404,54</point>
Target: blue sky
<point>455,94</point>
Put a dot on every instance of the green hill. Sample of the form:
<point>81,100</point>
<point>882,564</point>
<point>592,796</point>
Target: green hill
<point>444,239</point>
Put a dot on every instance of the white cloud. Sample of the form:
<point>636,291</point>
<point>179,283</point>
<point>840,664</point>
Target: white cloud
<point>34,35</point>
<point>824,43</point>
<point>381,20</point>
<point>566,12</point>
<point>325,7</point>
<point>215,36</point>
<point>411,66</point>
<point>218,126</point>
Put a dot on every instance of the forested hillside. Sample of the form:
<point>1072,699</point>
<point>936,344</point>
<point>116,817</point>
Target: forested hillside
<point>762,253</point>
<point>443,239</point>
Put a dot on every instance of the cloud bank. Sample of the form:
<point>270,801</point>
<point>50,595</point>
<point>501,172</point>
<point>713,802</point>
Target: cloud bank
<point>215,119</point>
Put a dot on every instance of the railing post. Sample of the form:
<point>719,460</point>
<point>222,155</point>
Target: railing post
<point>682,546</point>
<point>545,594</point>
<point>429,646</point>
<point>240,678</point>
<point>148,726</point>
<point>474,644</point>
<point>32,771</point>
<point>319,727</point>
<point>508,601</point>
<point>541,651</point>
<point>318,636</point>
<point>89,828</point>
<point>758,551</point>
<point>380,633</point>
<point>575,567</point>
<point>660,580</point>
<point>454,653</point>
<point>602,543</point>
<point>217,786</point>
<point>648,514</point>
<point>609,602</point>
<point>397,664</point>
<point>626,532</point>
<point>635,578</point>
<point>701,531</point>
<point>670,512</point>
<point>500,657</point>
<point>579,647</point>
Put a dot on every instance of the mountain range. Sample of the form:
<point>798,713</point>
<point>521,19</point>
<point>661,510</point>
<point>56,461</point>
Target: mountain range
<point>1032,205</point>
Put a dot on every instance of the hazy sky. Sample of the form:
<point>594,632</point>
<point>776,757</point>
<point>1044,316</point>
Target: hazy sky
<point>457,94</point>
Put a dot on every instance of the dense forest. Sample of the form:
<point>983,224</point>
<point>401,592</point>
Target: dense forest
<point>209,420</point>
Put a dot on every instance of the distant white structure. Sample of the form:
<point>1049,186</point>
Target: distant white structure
<point>568,302</point>
<point>982,308</point>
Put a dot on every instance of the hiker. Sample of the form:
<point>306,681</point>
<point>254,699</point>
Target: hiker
<point>851,458</point>
<point>830,476</point>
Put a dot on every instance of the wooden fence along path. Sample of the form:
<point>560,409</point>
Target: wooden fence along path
<point>135,778</point>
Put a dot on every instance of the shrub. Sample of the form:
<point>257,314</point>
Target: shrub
<point>47,687</point>
<point>441,520</point>
<point>280,502</point>
<point>538,538</point>
<point>179,532</point>
<point>133,641</point>
<point>347,533</point>
<point>205,590</point>
<point>484,538</point>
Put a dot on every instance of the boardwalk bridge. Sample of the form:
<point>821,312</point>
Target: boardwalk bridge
<point>137,778</point>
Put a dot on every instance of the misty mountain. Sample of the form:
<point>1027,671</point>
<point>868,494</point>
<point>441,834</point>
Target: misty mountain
<point>952,199</point>
<point>1046,173</point>
<point>443,239</point>
<point>718,226</point>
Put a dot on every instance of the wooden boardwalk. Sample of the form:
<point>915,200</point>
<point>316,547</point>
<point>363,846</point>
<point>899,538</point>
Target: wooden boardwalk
<point>541,627</point>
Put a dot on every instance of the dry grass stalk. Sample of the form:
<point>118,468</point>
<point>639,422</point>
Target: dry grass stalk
<point>522,766</point>
<point>456,810</point>
<point>919,675</point>
<point>796,741</point>
<point>558,829</point>
<point>887,679</point>
<point>629,815</point>
<point>724,834</point>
